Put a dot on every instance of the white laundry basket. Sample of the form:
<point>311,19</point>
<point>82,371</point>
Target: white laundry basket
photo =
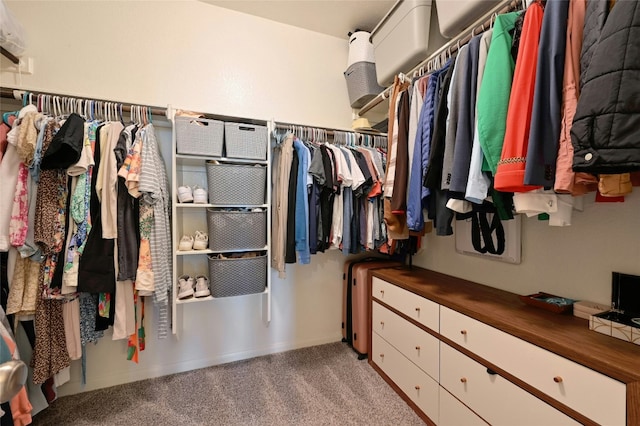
<point>360,48</point>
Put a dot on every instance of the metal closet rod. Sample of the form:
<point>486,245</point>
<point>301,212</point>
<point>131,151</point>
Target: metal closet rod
<point>17,94</point>
<point>329,131</point>
<point>452,46</point>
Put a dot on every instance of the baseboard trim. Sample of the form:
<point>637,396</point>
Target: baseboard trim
<point>94,383</point>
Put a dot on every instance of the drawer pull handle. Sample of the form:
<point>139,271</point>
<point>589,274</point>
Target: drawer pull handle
<point>382,292</point>
<point>382,323</point>
<point>381,355</point>
<point>463,332</point>
<point>417,348</point>
<point>463,379</point>
<point>417,387</point>
<point>490,371</point>
<point>557,379</point>
<point>417,309</point>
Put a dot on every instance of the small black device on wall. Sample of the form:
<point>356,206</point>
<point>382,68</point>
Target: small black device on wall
<point>625,295</point>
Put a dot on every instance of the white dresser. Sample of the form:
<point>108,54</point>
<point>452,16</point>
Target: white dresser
<point>461,353</point>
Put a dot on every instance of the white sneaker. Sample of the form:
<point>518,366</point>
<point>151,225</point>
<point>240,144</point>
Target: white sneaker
<point>202,286</point>
<point>185,195</point>
<point>199,195</point>
<point>186,243</point>
<point>201,242</point>
<point>185,287</point>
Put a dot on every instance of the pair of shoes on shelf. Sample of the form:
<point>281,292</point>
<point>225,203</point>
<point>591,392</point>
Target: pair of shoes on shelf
<point>188,287</point>
<point>195,195</point>
<point>199,242</point>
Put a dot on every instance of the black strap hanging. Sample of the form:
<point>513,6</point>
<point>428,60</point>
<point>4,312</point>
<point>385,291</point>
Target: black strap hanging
<point>482,232</point>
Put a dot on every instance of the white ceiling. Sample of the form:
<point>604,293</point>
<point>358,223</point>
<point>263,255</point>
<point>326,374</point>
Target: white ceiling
<point>332,17</point>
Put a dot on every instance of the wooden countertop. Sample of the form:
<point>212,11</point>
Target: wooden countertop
<point>565,335</point>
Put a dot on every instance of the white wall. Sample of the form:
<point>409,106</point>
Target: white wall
<point>203,58</point>
<point>574,261</point>
<point>186,53</point>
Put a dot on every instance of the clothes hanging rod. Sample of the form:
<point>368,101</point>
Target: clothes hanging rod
<point>12,93</point>
<point>17,94</point>
<point>330,131</point>
<point>483,23</point>
<point>10,56</point>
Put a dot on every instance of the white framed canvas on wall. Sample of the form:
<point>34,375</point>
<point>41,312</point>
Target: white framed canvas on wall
<point>489,242</point>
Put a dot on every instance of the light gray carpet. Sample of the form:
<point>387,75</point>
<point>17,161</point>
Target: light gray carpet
<point>320,385</point>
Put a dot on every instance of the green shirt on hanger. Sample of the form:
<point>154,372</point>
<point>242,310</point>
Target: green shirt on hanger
<point>493,97</point>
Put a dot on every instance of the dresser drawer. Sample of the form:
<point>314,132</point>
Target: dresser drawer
<point>415,307</point>
<point>455,413</point>
<point>486,393</point>
<point>416,384</point>
<point>598,397</point>
<point>413,342</point>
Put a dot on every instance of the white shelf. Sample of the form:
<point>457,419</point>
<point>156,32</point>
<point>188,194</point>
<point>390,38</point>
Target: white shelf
<point>210,298</point>
<point>186,217</point>
<point>207,251</point>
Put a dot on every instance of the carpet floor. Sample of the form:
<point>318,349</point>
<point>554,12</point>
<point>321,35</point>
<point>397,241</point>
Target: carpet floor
<point>320,385</point>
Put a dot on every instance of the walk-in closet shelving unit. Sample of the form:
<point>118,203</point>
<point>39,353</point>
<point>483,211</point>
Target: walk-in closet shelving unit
<point>236,215</point>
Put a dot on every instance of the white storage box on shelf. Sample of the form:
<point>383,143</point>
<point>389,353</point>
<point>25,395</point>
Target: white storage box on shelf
<point>360,48</point>
<point>401,39</point>
<point>454,16</point>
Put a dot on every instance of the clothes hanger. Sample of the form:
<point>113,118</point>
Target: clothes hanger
<point>54,107</point>
<point>120,113</point>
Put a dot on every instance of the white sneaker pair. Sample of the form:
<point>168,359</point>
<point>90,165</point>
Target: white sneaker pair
<point>188,288</point>
<point>188,242</point>
<point>195,195</point>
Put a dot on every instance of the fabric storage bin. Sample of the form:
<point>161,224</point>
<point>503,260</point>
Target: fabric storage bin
<point>362,83</point>
<point>199,136</point>
<point>454,16</point>
<point>245,141</point>
<point>360,48</point>
<point>236,277</point>
<point>401,39</point>
<point>236,230</point>
<point>236,184</point>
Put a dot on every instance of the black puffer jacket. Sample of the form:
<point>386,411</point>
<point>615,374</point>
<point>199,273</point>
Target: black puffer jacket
<point>606,126</point>
<point>595,15</point>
